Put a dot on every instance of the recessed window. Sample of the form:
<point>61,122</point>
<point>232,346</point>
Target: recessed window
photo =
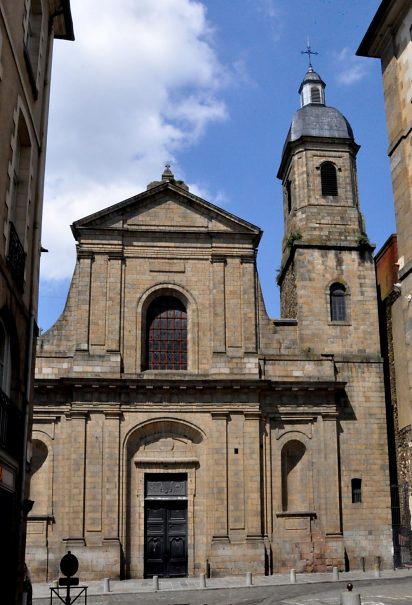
<point>33,39</point>
<point>5,360</point>
<point>329,179</point>
<point>166,335</point>
<point>356,485</point>
<point>337,296</point>
<point>19,201</point>
<point>289,194</point>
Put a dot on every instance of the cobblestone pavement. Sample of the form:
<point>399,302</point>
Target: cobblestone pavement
<point>392,588</point>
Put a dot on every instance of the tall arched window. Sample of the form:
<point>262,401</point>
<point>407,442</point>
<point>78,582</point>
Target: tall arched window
<point>329,179</point>
<point>166,334</point>
<point>294,477</point>
<point>337,295</point>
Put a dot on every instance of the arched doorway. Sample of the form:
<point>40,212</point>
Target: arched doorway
<point>164,466</point>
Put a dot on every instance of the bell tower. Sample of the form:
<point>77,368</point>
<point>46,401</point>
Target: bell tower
<point>327,276</point>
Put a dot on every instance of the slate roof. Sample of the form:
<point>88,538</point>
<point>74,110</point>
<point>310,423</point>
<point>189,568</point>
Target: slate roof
<point>316,120</point>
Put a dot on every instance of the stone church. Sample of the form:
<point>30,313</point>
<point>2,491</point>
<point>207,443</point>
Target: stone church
<point>178,429</point>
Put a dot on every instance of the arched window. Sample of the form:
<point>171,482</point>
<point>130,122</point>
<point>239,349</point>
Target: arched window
<point>329,179</point>
<point>5,360</point>
<point>315,95</point>
<point>166,334</point>
<point>294,477</point>
<point>33,40</point>
<point>337,296</point>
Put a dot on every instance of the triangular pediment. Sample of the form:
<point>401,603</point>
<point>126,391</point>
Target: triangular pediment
<point>165,207</point>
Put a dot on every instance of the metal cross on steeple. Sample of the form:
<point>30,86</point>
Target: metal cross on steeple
<point>309,52</point>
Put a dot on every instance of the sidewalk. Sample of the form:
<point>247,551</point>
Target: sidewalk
<point>96,587</point>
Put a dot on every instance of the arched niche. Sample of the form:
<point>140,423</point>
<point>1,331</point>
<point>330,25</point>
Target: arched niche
<point>160,446</point>
<point>295,480</point>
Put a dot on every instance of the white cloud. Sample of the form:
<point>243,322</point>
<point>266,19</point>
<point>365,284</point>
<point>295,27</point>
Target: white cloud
<point>141,82</point>
<point>270,10</point>
<point>350,68</point>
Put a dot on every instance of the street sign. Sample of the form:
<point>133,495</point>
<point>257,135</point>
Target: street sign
<point>68,581</point>
<point>69,564</point>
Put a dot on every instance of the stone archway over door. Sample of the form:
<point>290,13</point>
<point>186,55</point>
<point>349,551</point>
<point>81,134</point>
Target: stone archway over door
<point>165,449</point>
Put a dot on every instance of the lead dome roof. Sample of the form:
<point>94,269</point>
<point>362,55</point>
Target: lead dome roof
<point>316,120</point>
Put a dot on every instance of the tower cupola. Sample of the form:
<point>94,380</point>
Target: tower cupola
<point>312,89</point>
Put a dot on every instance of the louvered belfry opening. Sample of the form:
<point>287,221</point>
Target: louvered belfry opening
<point>166,334</point>
<point>329,179</point>
<point>315,95</point>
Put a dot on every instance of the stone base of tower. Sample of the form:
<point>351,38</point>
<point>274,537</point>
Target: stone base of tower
<point>307,551</point>
<point>237,558</point>
<point>95,561</point>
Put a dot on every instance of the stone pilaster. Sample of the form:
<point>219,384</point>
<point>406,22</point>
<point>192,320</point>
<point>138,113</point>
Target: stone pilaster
<point>252,468</point>
<point>249,303</point>
<point>219,307</point>
<point>76,480</point>
<point>83,301</point>
<point>219,471</point>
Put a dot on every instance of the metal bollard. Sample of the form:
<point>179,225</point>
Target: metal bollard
<point>293,576</point>
<point>377,571</point>
<point>248,578</point>
<point>362,563</point>
<point>106,584</point>
<point>202,580</point>
<point>349,597</point>
<point>335,574</point>
<point>155,582</point>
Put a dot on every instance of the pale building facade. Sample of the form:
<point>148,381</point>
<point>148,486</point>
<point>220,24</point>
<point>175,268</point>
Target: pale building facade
<point>178,429</point>
<point>389,38</point>
<point>27,32</point>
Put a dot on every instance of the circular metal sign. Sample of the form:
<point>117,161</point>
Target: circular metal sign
<point>69,565</point>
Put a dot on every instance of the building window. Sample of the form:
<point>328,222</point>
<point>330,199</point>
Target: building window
<point>289,194</point>
<point>294,477</point>
<point>5,360</point>
<point>33,40</point>
<point>329,179</point>
<point>315,95</point>
<point>356,490</point>
<point>337,295</point>
<point>166,334</point>
<point>19,201</point>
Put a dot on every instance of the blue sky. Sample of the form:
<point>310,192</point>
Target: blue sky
<point>210,86</point>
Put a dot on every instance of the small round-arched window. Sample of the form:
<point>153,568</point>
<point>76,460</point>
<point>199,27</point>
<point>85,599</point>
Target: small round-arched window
<point>329,179</point>
<point>166,334</point>
<point>337,296</point>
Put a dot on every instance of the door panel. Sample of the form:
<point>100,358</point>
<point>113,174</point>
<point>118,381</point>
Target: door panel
<point>166,538</point>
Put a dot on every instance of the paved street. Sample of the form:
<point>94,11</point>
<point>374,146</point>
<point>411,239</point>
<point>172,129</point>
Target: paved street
<point>394,588</point>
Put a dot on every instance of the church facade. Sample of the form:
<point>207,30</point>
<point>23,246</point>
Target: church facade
<point>178,429</point>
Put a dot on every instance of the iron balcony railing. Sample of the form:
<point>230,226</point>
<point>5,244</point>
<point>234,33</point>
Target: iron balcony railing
<point>16,257</point>
<point>9,425</point>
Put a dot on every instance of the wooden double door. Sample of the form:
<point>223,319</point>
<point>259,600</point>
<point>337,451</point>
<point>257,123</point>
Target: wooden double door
<point>165,538</point>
